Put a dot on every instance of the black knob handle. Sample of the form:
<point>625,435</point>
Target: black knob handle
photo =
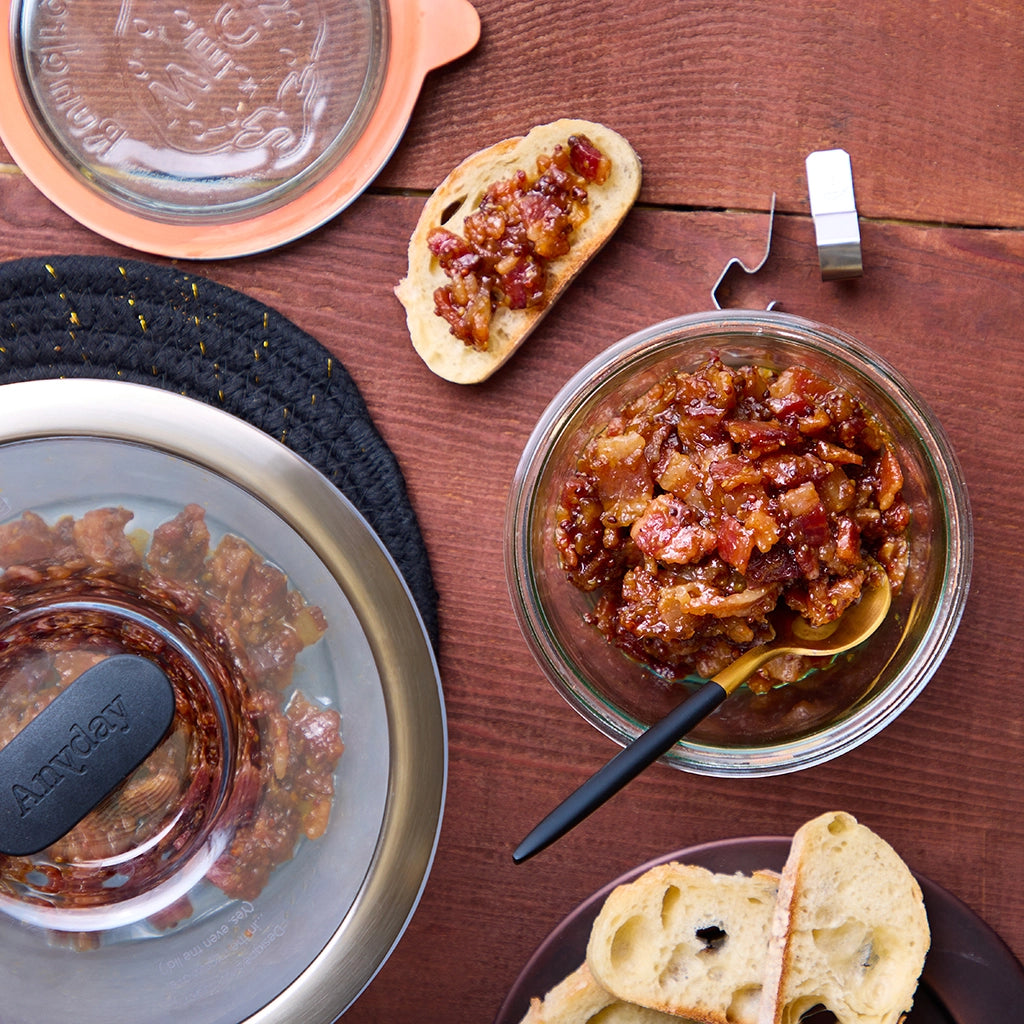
<point>77,750</point>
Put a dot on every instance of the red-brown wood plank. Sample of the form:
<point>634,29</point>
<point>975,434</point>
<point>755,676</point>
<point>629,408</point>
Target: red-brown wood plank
<point>724,101</point>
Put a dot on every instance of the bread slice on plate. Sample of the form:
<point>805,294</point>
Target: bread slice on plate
<point>686,941</point>
<point>578,999</point>
<point>505,322</point>
<point>850,932</point>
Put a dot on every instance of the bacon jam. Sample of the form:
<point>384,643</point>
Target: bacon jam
<point>716,497</point>
<point>522,223</point>
<point>82,589</point>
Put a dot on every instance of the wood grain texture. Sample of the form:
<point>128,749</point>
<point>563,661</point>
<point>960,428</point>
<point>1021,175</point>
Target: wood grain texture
<point>942,304</point>
<point>723,102</point>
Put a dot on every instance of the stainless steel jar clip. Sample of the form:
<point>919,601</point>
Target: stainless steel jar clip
<point>834,211</point>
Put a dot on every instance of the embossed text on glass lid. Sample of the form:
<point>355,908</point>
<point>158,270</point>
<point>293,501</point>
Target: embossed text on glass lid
<point>208,109</point>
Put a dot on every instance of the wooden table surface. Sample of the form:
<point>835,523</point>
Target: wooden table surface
<point>723,102</point>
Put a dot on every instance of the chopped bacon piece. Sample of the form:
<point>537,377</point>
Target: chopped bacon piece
<point>523,284</point>
<point>587,160</point>
<point>735,543</point>
<point>101,539</point>
<point>25,540</point>
<point>454,253</point>
<point>792,470</point>
<point>669,532</point>
<point>180,546</point>
<point>734,472</point>
<point>625,480</point>
<point>545,222</point>
<point>757,438</point>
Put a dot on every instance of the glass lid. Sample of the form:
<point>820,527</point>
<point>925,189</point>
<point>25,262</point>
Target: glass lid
<point>222,745</point>
<point>215,128</point>
<point>204,110</point>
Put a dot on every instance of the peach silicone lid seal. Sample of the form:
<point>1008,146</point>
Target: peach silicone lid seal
<point>215,128</point>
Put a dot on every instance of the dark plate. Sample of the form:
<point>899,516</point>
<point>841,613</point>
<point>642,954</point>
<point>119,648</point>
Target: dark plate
<point>970,976</point>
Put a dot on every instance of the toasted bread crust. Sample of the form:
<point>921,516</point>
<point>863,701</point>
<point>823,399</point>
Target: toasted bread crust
<point>459,195</point>
<point>578,999</point>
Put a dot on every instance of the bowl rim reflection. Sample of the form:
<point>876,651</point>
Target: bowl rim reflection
<point>640,356</point>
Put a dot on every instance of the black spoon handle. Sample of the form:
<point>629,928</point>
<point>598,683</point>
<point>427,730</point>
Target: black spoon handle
<point>622,768</point>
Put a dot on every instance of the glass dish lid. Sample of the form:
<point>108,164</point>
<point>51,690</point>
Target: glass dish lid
<point>170,573</point>
<point>215,129</point>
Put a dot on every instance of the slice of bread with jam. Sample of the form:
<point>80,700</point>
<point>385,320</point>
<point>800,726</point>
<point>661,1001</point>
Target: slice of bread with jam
<point>504,234</point>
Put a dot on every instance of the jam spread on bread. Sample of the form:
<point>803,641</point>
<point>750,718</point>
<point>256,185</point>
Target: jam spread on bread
<point>522,222</point>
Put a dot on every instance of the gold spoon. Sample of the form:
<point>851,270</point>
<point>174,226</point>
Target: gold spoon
<point>793,635</point>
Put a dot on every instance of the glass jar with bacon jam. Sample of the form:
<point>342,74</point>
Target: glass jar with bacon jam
<point>707,474</point>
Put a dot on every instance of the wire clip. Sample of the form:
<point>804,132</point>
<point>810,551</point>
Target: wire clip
<point>736,262</point>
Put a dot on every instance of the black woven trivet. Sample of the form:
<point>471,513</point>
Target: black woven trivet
<point>76,316</point>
